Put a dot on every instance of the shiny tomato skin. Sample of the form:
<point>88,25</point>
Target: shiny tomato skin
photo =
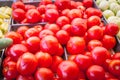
<point>62,37</point>
<point>44,59</point>
<point>70,69</point>
<point>28,7</point>
<point>88,3</point>
<point>95,32</point>
<point>51,6</point>
<point>33,44</point>
<point>16,15</point>
<point>49,44</point>
<point>9,70</point>
<point>95,72</point>
<point>67,28</point>
<point>6,60</point>
<point>73,5</point>
<point>44,74</point>
<point>65,12</point>
<point>114,67</point>
<point>71,57</point>
<point>45,2</point>
<point>56,61</point>
<point>108,41</point>
<point>116,56</point>
<point>38,27</point>
<point>16,37</point>
<point>16,51</point>
<point>94,43</point>
<point>62,20</point>
<point>60,51</point>
<point>33,16</point>
<point>51,15</point>
<point>21,30</point>
<point>41,9</point>
<point>76,45</point>
<point>18,4</point>
<point>30,64</point>
<point>99,55</point>
<point>81,61</point>
<point>21,77</point>
<point>79,27</point>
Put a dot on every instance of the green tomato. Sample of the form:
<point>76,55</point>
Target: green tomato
<point>104,5</point>
<point>108,13</point>
<point>114,7</point>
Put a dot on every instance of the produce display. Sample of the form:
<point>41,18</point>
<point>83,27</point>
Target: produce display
<point>111,11</point>
<point>73,44</point>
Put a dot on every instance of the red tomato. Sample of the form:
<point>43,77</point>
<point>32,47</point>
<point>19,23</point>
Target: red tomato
<point>18,4</point>
<point>62,20</point>
<point>87,53</point>
<point>65,12</point>
<point>38,27</point>
<point>79,27</point>
<point>44,59</point>
<point>108,41</point>
<point>56,61</point>
<point>16,37</point>
<point>109,76</point>
<point>62,4</point>
<point>94,43</point>
<point>29,6</point>
<point>16,51</point>
<point>73,5</point>
<point>95,32</point>
<point>71,57</point>
<point>16,15</point>
<point>51,6</point>
<point>6,60</point>
<point>111,29</point>
<point>88,3</point>
<point>116,55</point>
<point>93,21</point>
<point>82,76</point>
<point>41,9</point>
<point>45,32</point>
<point>78,3</point>
<point>49,44</point>
<point>33,44</point>
<point>45,2</point>
<point>31,32</point>
<point>95,72</point>
<point>62,37</point>
<point>106,64</point>
<point>53,27</point>
<point>44,74</point>
<point>22,29</point>
<point>114,67</point>
<point>9,70</point>
<point>51,15</point>
<point>67,28</point>
<point>74,13</point>
<point>93,12</point>
<point>68,70</point>
<point>21,77</point>
<point>60,51</point>
<point>27,64</point>
<point>81,61</point>
<point>33,16</point>
<point>99,55</point>
<point>76,45</point>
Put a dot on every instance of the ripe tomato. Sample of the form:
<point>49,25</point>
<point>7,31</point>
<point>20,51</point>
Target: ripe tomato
<point>60,51</point>
<point>95,72</point>
<point>9,70</point>
<point>16,51</point>
<point>33,16</point>
<point>21,77</point>
<point>74,13</point>
<point>16,15</point>
<point>56,61</point>
<point>44,59</point>
<point>38,27</point>
<point>45,32</point>
<point>44,74</point>
<point>71,57</point>
<point>68,70</point>
<point>17,5</point>
<point>41,9</point>
<point>109,76</point>
<point>51,6</point>
<point>116,56</point>
<point>67,28</point>
<point>108,41</point>
<point>49,44</point>
<point>94,43</point>
<point>27,64</point>
<point>88,3</point>
<point>76,45</point>
<point>106,64</point>
<point>31,32</point>
<point>62,20</point>
<point>33,44</point>
<point>93,21</point>
<point>111,29</point>
<point>51,15</point>
<point>22,29</point>
<point>6,60</point>
<point>16,37</point>
<point>62,37</point>
<point>81,61</point>
<point>99,55</point>
<point>29,6</point>
<point>79,27</point>
<point>65,12</point>
<point>114,67</point>
<point>95,32</point>
<point>73,5</point>
<point>45,2</point>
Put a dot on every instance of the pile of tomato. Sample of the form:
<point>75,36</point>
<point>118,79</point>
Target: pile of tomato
<point>75,44</point>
